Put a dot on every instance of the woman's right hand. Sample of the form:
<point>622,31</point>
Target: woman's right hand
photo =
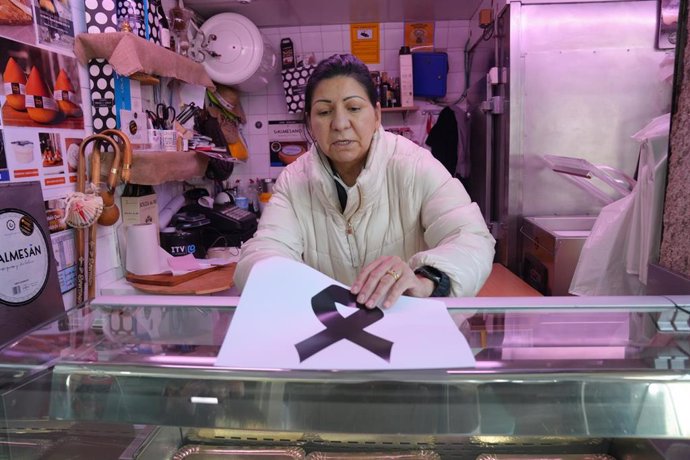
<point>383,281</point>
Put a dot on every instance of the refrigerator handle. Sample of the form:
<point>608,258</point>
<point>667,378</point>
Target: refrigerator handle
<point>486,107</point>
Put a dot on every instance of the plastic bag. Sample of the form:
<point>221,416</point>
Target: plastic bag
<point>627,233</point>
<point>601,268</point>
<point>649,207</point>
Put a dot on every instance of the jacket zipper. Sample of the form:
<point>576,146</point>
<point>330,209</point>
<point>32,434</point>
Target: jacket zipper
<point>350,233</point>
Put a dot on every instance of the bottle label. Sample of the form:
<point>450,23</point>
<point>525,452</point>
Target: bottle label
<point>165,37</point>
<point>287,53</point>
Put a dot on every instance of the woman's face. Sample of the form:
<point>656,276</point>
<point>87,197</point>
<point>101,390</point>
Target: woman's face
<point>343,121</point>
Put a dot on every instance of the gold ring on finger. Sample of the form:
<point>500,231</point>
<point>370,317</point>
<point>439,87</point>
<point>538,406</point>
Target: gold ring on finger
<point>394,274</point>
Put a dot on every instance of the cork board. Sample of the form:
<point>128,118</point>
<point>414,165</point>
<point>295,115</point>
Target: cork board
<point>675,239</point>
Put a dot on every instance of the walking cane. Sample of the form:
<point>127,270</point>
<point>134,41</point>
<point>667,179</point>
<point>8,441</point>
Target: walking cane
<point>125,149</point>
<point>84,207</point>
<point>110,213</point>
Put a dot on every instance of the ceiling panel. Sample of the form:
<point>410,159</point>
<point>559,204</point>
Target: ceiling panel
<point>277,13</point>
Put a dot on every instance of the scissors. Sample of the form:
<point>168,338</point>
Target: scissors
<point>163,117</point>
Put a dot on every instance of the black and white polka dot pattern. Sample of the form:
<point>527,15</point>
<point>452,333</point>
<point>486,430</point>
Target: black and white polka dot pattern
<point>154,22</point>
<point>102,86</point>
<point>100,16</point>
<point>136,11</point>
<point>294,81</point>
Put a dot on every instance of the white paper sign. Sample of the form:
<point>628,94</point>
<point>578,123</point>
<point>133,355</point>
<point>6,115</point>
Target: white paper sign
<point>285,320</point>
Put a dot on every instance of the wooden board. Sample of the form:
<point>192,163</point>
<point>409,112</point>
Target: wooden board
<point>12,117</point>
<point>504,283</point>
<point>208,283</point>
<point>14,15</point>
<point>167,279</point>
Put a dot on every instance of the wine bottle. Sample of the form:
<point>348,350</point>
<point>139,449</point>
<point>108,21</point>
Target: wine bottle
<point>139,204</point>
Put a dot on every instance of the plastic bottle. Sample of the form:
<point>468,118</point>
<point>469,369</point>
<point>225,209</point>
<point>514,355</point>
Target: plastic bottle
<point>164,29</point>
<point>287,53</point>
<point>263,200</point>
<point>253,196</point>
<point>406,98</point>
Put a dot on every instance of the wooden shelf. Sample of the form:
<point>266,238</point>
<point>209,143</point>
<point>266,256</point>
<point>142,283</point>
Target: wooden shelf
<point>153,167</point>
<point>131,55</point>
<point>412,108</point>
<point>402,110</point>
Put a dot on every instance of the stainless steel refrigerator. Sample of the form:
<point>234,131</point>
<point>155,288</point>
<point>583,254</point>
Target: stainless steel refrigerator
<point>566,79</point>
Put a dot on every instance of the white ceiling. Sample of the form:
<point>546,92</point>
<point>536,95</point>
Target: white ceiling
<point>277,13</point>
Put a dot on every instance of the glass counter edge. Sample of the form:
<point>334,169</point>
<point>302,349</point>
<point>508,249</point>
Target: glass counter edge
<point>628,303</point>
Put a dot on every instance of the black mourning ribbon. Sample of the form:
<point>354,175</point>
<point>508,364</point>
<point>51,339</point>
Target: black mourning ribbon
<point>339,327</point>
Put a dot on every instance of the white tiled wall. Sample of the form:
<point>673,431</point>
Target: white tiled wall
<point>323,41</point>
<point>79,23</point>
<point>269,103</point>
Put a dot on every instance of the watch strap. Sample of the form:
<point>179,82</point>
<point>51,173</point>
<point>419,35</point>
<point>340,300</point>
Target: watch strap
<point>440,279</point>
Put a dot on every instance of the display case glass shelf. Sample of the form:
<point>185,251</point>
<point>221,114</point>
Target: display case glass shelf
<point>135,378</point>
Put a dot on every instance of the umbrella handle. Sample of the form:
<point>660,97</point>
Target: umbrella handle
<point>110,213</point>
<point>80,238</point>
<point>125,149</point>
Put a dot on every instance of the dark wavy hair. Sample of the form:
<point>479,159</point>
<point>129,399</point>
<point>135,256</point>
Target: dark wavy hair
<point>336,66</point>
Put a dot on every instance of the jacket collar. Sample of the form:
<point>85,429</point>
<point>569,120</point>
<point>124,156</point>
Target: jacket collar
<point>370,180</point>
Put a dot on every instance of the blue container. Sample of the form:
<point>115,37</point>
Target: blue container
<point>430,74</point>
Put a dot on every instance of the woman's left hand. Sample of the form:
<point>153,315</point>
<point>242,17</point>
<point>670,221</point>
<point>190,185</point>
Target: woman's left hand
<point>387,278</point>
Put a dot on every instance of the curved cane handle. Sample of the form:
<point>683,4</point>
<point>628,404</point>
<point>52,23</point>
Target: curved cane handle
<point>111,213</point>
<point>113,172</point>
<point>126,150</point>
<point>81,165</point>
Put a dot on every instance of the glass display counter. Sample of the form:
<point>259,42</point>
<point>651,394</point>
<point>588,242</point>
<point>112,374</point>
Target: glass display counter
<point>569,378</point>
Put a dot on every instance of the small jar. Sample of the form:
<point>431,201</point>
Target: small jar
<point>242,202</point>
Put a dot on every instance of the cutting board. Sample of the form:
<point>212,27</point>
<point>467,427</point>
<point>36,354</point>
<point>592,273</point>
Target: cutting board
<point>167,279</point>
<point>215,280</point>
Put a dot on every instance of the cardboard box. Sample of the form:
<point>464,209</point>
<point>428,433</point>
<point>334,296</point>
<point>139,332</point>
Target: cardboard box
<point>406,81</point>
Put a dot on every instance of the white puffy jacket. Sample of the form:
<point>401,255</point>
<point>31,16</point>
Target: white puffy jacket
<point>404,203</point>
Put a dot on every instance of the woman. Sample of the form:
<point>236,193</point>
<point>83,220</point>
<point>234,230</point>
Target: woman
<point>369,208</point>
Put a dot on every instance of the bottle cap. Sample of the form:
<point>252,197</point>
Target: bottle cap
<point>404,50</point>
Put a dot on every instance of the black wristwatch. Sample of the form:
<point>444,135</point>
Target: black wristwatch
<point>440,279</point>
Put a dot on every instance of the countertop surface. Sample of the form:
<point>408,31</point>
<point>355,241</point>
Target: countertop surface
<point>501,283</point>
